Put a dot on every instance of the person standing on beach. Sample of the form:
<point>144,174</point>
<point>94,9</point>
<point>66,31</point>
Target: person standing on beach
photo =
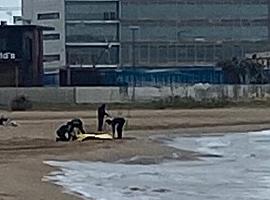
<point>101,114</point>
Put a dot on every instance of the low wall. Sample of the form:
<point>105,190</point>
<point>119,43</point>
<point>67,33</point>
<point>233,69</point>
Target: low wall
<point>42,95</point>
<point>199,92</point>
<point>99,95</point>
<point>79,95</point>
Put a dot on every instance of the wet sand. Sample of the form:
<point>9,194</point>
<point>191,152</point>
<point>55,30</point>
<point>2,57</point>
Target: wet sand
<point>24,148</point>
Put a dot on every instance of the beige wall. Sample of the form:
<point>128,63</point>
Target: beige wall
<point>80,95</point>
<point>42,95</point>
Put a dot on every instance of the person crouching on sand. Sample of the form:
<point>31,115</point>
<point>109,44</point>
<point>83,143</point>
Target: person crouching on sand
<point>118,124</point>
<point>67,131</point>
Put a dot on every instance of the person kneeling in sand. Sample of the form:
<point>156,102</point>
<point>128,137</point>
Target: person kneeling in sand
<point>63,133</point>
<point>67,132</point>
<point>118,124</point>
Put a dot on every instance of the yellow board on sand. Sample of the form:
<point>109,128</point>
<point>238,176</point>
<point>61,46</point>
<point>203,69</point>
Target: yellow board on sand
<point>95,136</point>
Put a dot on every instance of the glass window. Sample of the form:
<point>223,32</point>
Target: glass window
<point>144,54</point>
<point>153,54</point>
<point>47,16</point>
<point>163,54</point>
<point>224,32</point>
<point>92,55</point>
<point>191,53</point>
<point>52,36</point>
<point>148,11</point>
<point>91,10</point>
<point>209,56</point>
<point>172,53</point>
<point>182,53</point>
<point>218,52</point>
<point>231,17</point>
<point>200,52</point>
<point>238,51</point>
<point>187,11</point>
<point>91,32</point>
<point>215,11</point>
<point>150,32</point>
<point>51,58</point>
<point>125,53</point>
<point>160,32</point>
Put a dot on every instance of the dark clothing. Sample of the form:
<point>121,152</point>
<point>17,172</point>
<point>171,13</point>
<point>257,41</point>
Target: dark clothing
<point>76,123</point>
<point>3,120</point>
<point>66,132</point>
<point>101,114</point>
<point>63,133</point>
<point>118,124</point>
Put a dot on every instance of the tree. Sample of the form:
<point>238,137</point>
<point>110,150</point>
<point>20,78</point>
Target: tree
<point>245,71</point>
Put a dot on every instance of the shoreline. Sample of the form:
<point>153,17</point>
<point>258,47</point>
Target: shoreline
<point>150,160</point>
<point>24,148</point>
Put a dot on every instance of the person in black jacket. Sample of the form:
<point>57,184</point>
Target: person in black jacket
<point>66,132</point>
<point>76,123</point>
<point>101,114</point>
<point>63,133</point>
<point>118,124</point>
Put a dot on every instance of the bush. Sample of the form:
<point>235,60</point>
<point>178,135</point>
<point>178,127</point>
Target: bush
<point>20,103</point>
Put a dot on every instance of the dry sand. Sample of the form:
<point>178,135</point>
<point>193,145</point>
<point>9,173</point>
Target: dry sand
<point>24,148</point>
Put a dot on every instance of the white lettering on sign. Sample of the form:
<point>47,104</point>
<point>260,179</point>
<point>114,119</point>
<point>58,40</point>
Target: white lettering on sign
<point>7,56</point>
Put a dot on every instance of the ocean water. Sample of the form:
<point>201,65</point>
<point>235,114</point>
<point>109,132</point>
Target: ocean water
<point>240,171</point>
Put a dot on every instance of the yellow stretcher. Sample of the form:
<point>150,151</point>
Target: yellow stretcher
<point>95,135</point>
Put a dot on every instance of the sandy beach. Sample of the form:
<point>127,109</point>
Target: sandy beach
<point>24,148</point>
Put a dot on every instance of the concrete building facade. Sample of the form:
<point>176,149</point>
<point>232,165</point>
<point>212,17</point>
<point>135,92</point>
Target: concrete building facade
<point>87,33</point>
<point>49,13</point>
<point>169,32</point>
<point>92,33</point>
<point>183,32</point>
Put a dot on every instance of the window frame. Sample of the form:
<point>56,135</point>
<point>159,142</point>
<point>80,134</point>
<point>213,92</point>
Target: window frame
<point>48,16</point>
<point>51,58</point>
<point>49,36</point>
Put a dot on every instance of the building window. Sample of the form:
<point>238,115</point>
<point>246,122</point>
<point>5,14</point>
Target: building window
<point>98,55</point>
<point>91,10</point>
<point>46,16</point>
<point>162,54</point>
<point>143,54</point>
<point>52,36</point>
<point>92,33</point>
<point>171,54</point>
<point>51,58</point>
<point>109,16</point>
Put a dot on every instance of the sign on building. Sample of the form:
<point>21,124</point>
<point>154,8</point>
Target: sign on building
<point>7,56</point>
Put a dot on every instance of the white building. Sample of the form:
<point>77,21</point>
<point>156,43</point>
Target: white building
<point>87,32</point>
